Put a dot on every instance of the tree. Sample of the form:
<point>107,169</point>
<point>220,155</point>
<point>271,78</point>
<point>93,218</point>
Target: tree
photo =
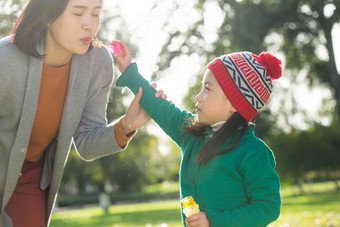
<point>297,29</point>
<point>315,150</point>
<point>307,27</point>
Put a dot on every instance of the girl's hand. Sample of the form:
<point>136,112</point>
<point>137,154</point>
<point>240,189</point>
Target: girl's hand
<point>159,93</point>
<point>198,220</point>
<point>123,57</point>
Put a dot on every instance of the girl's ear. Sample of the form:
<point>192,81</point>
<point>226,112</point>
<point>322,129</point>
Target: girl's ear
<point>233,109</point>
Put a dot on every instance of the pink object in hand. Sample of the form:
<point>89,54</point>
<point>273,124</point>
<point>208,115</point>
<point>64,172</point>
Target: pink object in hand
<point>114,47</point>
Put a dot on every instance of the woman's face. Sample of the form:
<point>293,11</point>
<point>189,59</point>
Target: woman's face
<point>72,32</point>
<point>212,105</point>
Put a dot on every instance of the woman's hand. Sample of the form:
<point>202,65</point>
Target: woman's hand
<point>135,116</point>
<point>123,57</point>
<point>198,220</point>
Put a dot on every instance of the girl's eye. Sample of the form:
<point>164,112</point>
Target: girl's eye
<point>206,88</point>
<point>77,14</point>
<point>95,15</point>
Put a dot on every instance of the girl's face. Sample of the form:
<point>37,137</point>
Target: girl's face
<point>72,32</point>
<point>212,105</point>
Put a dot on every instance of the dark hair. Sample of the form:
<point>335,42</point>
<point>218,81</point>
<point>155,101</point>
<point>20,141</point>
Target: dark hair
<point>31,25</point>
<point>234,129</point>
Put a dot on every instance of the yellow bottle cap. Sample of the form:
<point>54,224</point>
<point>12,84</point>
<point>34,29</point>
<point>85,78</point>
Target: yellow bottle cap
<point>188,201</point>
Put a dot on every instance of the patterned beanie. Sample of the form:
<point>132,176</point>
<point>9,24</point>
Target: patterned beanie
<point>246,79</point>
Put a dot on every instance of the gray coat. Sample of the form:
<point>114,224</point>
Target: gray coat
<point>83,119</point>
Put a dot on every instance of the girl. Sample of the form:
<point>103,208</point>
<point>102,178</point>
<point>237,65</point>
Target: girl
<point>228,170</point>
<point>54,90</point>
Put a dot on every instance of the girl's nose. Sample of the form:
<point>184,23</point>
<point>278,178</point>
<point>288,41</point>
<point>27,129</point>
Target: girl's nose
<point>198,97</point>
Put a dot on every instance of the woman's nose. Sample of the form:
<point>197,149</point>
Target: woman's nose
<point>88,23</point>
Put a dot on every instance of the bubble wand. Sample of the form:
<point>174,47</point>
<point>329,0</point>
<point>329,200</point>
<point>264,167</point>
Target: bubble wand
<point>114,47</point>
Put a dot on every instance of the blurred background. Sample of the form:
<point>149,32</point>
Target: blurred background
<point>172,41</point>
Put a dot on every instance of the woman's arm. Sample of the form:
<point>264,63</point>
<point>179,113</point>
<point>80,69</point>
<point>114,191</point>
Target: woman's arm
<point>93,137</point>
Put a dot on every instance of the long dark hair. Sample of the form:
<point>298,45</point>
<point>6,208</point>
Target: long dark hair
<point>31,25</point>
<point>234,129</point>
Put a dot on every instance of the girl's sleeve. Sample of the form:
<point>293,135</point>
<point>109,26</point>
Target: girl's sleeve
<point>165,114</point>
<point>262,185</point>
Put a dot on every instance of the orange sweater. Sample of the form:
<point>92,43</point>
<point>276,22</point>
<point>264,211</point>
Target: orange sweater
<point>47,120</point>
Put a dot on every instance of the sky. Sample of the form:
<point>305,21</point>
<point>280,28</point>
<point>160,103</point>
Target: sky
<point>149,35</point>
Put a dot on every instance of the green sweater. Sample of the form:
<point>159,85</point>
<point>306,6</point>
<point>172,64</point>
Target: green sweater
<point>240,188</point>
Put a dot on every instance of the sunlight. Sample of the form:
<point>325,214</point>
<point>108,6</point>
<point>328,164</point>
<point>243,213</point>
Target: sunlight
<point>336,47</point>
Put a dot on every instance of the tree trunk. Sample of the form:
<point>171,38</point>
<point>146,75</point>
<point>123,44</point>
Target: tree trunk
<point>300,185</point>
<point>334,177</point>
<point>333,73</point>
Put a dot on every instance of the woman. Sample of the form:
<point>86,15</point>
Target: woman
<point>54,90</point>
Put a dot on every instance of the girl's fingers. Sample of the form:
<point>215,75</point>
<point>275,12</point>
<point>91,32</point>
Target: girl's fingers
<point>154,85</point>
<point>159,93</point>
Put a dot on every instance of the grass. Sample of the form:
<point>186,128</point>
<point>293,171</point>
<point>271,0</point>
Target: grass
<point>162,191</point>
<point>318,207</point>
<point>141,214</point>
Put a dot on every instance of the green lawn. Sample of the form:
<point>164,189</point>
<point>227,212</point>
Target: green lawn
<point>320,206</point>
<point>140,214</point>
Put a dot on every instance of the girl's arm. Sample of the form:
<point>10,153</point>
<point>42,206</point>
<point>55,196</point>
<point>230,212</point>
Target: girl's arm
<point>262,186</point>
<point>164,113</point>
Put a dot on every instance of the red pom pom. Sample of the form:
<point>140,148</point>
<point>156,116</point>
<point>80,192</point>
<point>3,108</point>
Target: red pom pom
<point>272,64</point>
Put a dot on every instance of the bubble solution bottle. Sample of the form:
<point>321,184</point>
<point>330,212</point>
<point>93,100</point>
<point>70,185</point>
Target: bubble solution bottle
<point>190,207</point>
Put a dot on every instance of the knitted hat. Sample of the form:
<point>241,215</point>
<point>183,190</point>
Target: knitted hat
<point>246,79</point>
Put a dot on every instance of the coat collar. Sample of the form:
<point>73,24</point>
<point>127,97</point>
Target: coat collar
<point>215,127</point>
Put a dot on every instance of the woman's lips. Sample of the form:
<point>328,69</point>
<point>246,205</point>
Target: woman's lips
<point>86,40</point>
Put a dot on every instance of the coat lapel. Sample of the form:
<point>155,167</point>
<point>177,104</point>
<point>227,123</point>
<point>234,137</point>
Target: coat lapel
<point>73,108</point>
<point>19,148</point>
